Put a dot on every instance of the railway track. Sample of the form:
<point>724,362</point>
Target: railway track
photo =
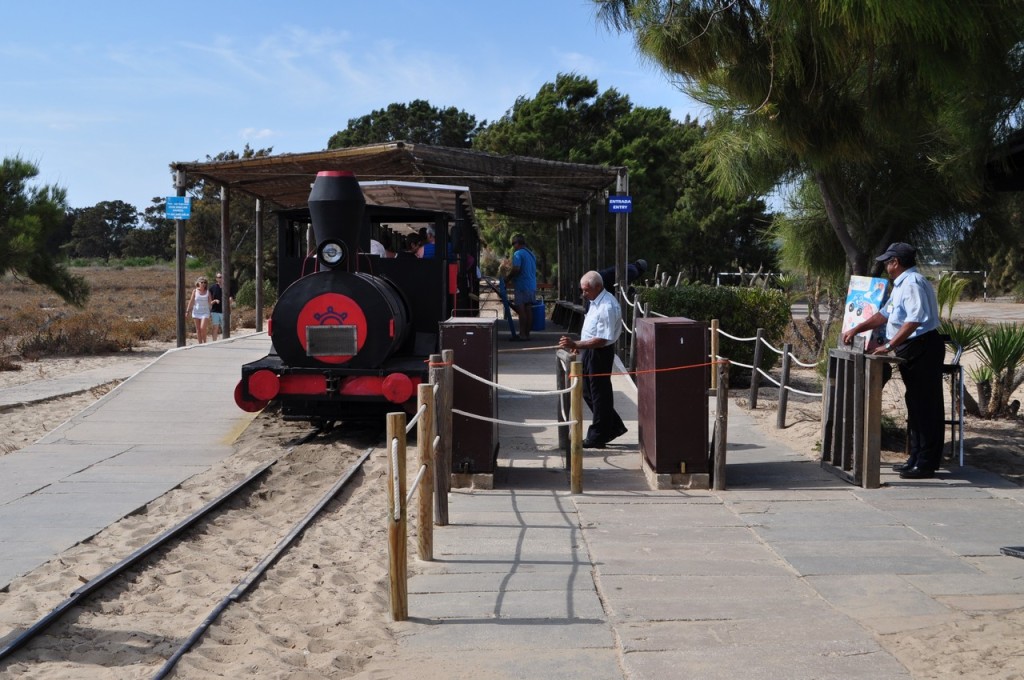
<point>214,557</point>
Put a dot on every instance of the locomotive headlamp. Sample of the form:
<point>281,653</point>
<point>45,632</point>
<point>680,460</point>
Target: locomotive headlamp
<point>331,252</point>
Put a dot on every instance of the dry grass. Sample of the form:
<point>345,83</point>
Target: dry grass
<point>127,306</point>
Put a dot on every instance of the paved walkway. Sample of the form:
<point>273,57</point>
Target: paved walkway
<point>166,423</point>
<point>789,573</point>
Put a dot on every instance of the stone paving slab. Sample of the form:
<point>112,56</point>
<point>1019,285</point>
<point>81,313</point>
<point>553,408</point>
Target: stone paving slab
<point>167,422</point>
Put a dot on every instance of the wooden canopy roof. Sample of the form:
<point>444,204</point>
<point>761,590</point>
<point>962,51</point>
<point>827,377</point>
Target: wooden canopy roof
<point>519,186</point>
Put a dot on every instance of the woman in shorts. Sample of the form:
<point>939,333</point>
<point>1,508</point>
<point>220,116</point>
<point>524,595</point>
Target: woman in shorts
<point>199,306</point>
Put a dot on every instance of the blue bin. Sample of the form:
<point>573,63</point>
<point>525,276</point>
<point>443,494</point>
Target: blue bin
<point>538,316</point>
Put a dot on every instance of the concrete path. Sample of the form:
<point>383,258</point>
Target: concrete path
<point>166,423</point>
<point>789,573</point>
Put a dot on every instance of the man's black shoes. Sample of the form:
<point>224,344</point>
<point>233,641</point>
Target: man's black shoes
<point>900,467</point>
<point>917,473</point>
<point>594,444</point>
<point>619,433</point>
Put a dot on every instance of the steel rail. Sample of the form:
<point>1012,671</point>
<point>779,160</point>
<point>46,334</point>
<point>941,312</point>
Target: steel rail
<point>256,572</point>
<point>128,562</point>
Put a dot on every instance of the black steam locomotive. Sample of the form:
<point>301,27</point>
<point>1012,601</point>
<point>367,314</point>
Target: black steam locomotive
<point>352,331</point>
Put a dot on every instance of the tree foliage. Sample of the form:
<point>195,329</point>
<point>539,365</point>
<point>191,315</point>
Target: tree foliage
<point>887,109</point>
<point>101,231</point>
<point>203,229</point>
<point>677,220</point>
<point>29,215</point>
<point>417,122</point>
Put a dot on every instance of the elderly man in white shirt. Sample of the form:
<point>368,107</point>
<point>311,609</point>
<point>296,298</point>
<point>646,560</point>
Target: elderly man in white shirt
<point>601,328</point>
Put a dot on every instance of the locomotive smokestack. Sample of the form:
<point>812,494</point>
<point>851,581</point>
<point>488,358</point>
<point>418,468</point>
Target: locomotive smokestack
<point>336,205</point>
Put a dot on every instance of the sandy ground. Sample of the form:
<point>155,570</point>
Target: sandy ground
<point>322,612</point>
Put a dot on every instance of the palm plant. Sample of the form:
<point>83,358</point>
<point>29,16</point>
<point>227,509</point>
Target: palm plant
<point>948,293</point>
<point>1002,352</point>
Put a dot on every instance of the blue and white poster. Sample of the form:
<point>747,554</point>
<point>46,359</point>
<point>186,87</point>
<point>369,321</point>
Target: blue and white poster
<point>863,299</point>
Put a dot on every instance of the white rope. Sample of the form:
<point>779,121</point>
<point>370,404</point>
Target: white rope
<point>412,422</point>
<point>769,346</point>
<point>511,389</point>
<point>736,363</point>
<point>551,423</point>
<point>733,337</point>
<point>437,442</point>
<point>663,316</point>
<point>769,378</point>
<point>394,479</point>
<point>415,484</point>
<point>808,394</point>
<point>800,363</point>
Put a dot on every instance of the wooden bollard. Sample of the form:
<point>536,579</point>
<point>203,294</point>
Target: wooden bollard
<point>755,377</point>
<point>714,352</point>
<point>441,375</point>
<point>425,491</point>
<point>576,411</point>
<point>780,416</point>
<point>721,423</point>
<point>397,534</point>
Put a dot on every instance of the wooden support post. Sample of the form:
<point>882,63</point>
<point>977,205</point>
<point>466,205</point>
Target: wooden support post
<point>440,375</point>
<point>858,417</point>
<point>576,414</point>
<point>425,492</point>
<point>225,261</point>
<point>755,377</point>
<point>721,423</point>
<point>714,352</point>
<point>259,265</point>
<point>780,417</point>
<point>397,535</point>
<point>873,424</point>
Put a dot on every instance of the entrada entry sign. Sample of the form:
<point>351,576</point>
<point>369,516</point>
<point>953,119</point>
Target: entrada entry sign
<point>178,208</point>
<point>617,204</point>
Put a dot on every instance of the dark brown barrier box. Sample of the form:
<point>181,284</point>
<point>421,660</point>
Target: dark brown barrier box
<point>475,344</point>
<point>672,405</point>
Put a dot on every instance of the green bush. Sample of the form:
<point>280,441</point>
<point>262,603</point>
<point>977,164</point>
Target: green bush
<point>740,312</point>
<point>246,295</point>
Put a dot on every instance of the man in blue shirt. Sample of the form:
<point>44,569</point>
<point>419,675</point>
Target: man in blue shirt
<point>911,319</point>
<point>524,277</point>
<point>601,328</point>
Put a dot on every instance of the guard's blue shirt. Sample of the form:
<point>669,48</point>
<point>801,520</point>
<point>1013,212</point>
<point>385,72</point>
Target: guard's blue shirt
<point>912,299</point>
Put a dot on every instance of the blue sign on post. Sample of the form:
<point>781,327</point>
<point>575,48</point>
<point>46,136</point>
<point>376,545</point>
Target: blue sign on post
<point>617,204</point>
<point>178,208</point>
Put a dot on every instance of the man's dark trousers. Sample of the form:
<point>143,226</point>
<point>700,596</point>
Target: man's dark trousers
<point>921,371</point>
<point>598,393</point>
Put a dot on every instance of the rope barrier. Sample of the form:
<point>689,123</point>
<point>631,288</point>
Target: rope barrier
<point>733,337</point>
<point>552,423</point>
<point>511,389</point>
<point>415,483</point>
<point>412,421</point>
<point>800,363</point>
<point>769,346</point>
<point>394,479</point>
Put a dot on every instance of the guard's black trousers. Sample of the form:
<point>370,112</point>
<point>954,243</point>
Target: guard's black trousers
<point>598,393</point>
<point>921,371</point>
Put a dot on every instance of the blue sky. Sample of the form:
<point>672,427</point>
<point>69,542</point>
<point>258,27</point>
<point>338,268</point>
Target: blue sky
<point>103,96</point>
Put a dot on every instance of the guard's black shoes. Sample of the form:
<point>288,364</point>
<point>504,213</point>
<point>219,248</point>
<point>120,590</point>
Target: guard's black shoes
<point>917,473</point>
<point>900,467</point>
<point>593,444</point>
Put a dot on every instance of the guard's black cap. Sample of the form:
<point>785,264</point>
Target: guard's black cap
<point>900,250</point>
